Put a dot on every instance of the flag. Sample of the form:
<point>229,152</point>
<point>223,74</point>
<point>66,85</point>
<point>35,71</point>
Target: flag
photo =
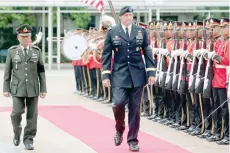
<point>98,4</point>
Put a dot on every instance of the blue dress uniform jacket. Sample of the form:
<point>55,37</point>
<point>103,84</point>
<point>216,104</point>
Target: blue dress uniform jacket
<point>130,69</point>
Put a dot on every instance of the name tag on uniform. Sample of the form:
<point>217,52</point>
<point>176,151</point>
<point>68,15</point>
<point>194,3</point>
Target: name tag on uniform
<point>34,56</point>
<point>16,57</point>
<point>139,35</point>
<point>116,41</point>
<point>139,38</point>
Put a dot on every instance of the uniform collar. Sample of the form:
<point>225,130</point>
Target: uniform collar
<point>24,47</point>
<point>124,28</point>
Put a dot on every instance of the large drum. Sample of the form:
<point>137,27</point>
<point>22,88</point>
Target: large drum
<point>74,44</point>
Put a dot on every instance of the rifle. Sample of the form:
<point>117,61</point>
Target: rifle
<point>207,90</point>
<point>113,12</point>
<point>199,83</point>
<point>163,63</point>
<point>158,59</point>
<point>193,72</point>
<point>176,64</point>
<point>169,75</point>
<point>183,65</point>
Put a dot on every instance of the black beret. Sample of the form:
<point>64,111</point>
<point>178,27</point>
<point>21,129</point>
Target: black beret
<point>24,30</point>
<point>125,9</point>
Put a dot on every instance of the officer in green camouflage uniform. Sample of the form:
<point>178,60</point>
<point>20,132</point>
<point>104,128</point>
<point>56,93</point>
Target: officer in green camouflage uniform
<point>24,73</point>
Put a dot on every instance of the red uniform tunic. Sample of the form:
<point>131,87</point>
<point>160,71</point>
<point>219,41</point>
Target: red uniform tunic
<point>221,49</point>
<point>93,64</point>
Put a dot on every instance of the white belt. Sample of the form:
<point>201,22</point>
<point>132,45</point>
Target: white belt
<point>221,66</point>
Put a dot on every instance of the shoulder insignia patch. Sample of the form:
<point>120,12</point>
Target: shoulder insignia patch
<point>13,47</point>
<point>35,47</point>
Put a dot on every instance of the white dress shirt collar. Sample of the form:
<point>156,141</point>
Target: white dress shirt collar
<point>129,28</point>
<point>25,47</point>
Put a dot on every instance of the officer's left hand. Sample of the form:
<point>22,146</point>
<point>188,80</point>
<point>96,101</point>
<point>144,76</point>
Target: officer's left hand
<point>42,95</point>
<point>151,80</point>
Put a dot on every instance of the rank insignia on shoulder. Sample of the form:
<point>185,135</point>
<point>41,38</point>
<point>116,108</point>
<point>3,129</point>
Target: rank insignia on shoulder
<point>35,47</point>
<point>13,47</point>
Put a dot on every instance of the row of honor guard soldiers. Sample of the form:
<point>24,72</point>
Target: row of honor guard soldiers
<point>190,93</point>
<point>88,68</point>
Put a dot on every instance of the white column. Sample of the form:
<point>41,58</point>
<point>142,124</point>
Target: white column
<point>158,14</point>
<point>43,35</point>
<point>50,35</point>
<point>138,17</point>
<point>150,15</point>
<point>146,18</point>
<point>58,38</point>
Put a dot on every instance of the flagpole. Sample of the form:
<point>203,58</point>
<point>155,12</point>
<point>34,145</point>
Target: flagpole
<point>100,21</point>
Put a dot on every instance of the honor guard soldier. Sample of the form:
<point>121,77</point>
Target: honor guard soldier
<point>128,76</point>
<point>24,73</point>
<point>221,60</point>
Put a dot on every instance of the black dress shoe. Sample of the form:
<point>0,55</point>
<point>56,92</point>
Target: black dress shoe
<point>168,123</point>
<point>162,121</point>
<point>195,133</point>
<point>213,138</point>
<point>223,142</point>
<point>189,130</point>
<point>205,135</point>
<point>118,139</point>
<point>152,117</point>
<point>182,127</point>
<point>175,125</point>
<point>16,140</point>
<point>29,146</point>
<point>134,147</point>
<point>100,99</point>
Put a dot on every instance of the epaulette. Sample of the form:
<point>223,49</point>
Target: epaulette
<point>36,47</point>
<point>13,47</point>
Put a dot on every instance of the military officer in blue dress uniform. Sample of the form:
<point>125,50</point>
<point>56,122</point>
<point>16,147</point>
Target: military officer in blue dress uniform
<point>132,69</point>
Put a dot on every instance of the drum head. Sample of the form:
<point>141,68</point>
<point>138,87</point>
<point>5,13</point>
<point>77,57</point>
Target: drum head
<point>74,46</point>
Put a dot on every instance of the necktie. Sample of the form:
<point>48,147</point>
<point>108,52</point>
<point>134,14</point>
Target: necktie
<point>25,52</point>
<point>127,33</point>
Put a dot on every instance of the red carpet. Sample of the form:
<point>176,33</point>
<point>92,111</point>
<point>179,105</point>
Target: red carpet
<point>97,131</point>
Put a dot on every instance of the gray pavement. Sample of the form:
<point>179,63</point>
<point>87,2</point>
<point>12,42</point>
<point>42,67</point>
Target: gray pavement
<point>61,85</point>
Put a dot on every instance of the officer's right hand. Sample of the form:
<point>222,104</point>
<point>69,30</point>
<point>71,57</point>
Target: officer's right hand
<point>106,83</point>
<point>6,94</point>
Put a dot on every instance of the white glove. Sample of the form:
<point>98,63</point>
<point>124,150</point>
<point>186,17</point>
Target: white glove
<point>195,53</point>
<point>93,46</point>
<point>184,53</point>
<point>203,52</point>
<point>177,52</point>
<point>163,51</point>
<point>39,37</point>
<point>228,70</point>
<point>211,55</point>
<point>155,51</point>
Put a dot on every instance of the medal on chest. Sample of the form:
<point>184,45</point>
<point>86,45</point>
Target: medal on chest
<point>16,58</point>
